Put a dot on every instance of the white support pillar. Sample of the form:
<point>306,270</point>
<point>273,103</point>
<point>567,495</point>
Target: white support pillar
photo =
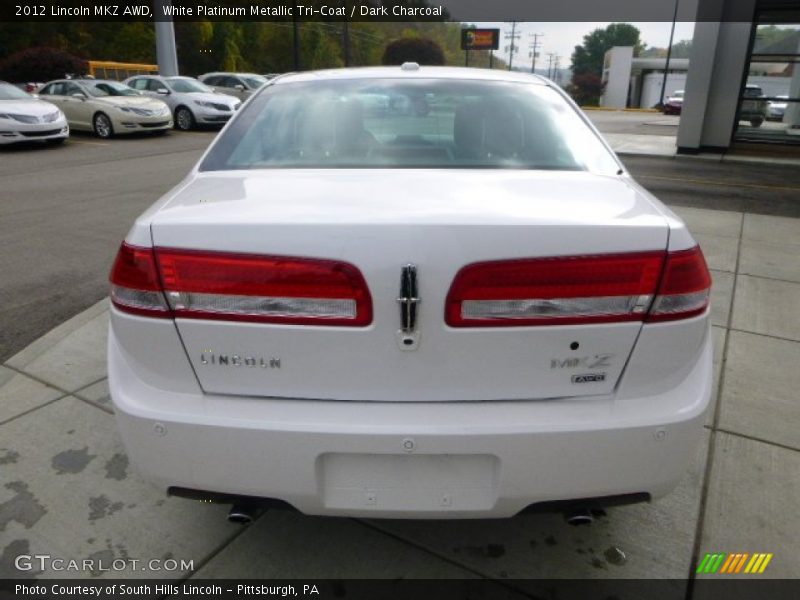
<point>166,49</point>
<point>718,60</point>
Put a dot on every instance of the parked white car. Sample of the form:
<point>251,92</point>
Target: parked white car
<point>240,85</point>
<point>777,108</point>
<point>107,107</point>
<point>24,118</point>
<point>192,103</point>
<point>461,312</point>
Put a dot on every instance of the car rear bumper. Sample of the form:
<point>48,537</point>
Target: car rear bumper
<point>411,460</point>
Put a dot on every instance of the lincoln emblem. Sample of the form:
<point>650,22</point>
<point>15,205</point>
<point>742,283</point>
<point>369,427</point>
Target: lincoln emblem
<point>408,299</point>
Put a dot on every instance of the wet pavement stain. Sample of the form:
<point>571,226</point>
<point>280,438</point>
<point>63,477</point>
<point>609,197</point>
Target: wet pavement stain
<point>615,556</point>
<point>72,461</point>
<point>101,507</point>
<point>598,564</point>
<point>117,467</point>
<point>495,550</point>
<point>550,541</point>
<point>23,508</point>
<point>101,557</point>
<point>488,551</point>
<point>8,457</point>
<point>10,553</point>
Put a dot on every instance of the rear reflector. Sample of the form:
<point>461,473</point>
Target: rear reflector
<point>270,289</point>
<point>685,287</point>
<point>135,287</point>
<point>579,289</point>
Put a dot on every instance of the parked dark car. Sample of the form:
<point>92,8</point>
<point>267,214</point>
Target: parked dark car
<point>754,106</point>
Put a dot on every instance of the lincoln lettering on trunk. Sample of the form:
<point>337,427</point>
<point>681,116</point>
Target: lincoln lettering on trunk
<point>208,357</point>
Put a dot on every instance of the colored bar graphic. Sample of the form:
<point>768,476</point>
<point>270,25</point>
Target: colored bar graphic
<point>733,564</point>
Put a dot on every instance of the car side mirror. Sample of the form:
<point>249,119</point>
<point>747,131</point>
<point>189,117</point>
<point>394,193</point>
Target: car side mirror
<point>79,95</point>
<point>239,87</point>
<point>163,91</point>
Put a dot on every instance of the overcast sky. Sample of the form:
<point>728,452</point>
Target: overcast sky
<point>561,38</point>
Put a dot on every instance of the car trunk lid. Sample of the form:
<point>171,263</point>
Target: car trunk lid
<point>384,222</point>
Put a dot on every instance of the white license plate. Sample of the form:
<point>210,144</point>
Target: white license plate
<point>387,482</point>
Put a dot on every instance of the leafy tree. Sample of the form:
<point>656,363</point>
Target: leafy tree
<point>588,58</point>
<point>41,64</point>
<point>586,89</point>
<point>421,50</point>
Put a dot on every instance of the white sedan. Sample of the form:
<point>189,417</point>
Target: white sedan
<point>107,108</point>
<point>458,312</point>
<point>192,103</point>
<point>24,118</point>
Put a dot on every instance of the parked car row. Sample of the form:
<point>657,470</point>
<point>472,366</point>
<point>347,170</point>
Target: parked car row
<point>145,103</point>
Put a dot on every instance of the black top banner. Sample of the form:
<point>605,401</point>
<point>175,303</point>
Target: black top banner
<point>382,10</point>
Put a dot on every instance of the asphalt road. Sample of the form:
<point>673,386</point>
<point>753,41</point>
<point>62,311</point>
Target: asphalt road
<point>647,123</point>
<point>64,211</point>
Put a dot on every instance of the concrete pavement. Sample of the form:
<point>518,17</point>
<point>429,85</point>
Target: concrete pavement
<point>66,488</point>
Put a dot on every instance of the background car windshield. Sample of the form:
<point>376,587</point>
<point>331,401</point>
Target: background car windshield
<point>254,81</point>
<point>188,86</point>
<point>420,123</point>
<point>10,92</point>
<point>110,88</point>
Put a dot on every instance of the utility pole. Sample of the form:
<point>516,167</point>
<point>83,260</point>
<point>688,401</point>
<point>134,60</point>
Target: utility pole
<point>557,69</point>
<point>296,39</point>
<point>512,47</point>
<point>550,56</point>
<point>669,54</point>
<point>535,50</point>
<point>346,36</point>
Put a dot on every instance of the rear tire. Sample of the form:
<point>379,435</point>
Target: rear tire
<point>102,126</point>
<point>184,119</point>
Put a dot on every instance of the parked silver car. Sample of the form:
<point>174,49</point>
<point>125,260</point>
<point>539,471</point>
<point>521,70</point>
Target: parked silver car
<point>241,85</point>
<point>192,103</point>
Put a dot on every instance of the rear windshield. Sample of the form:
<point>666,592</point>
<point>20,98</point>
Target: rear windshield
<point>419,123</point>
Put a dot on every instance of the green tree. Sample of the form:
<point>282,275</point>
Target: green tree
<point>588,57</point>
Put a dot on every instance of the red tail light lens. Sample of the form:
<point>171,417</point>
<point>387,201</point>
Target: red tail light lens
<point>270,289</point>
<point>135,287</point>
<point>685,287</point>
<point>554,291</point>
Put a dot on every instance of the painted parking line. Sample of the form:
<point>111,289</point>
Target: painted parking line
<point>757,186</point>
<point>89,143</point>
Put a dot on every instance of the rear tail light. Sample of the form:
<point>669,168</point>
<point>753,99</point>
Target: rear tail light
<point>270,289</point>
<point>239,287</point>
<point>685,287</point>
<point>135,286</point>
<point>579,289</point>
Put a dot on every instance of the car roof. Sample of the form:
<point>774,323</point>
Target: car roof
<point>412,72</point>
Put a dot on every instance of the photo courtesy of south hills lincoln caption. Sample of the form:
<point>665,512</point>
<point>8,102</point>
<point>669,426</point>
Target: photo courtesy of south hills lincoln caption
<point>168,589</point>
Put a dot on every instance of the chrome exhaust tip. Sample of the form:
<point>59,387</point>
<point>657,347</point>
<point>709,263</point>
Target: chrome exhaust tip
<point>242,514</point>
<point>579,517</point>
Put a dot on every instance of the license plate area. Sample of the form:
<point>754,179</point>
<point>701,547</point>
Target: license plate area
<point>399,483</point>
